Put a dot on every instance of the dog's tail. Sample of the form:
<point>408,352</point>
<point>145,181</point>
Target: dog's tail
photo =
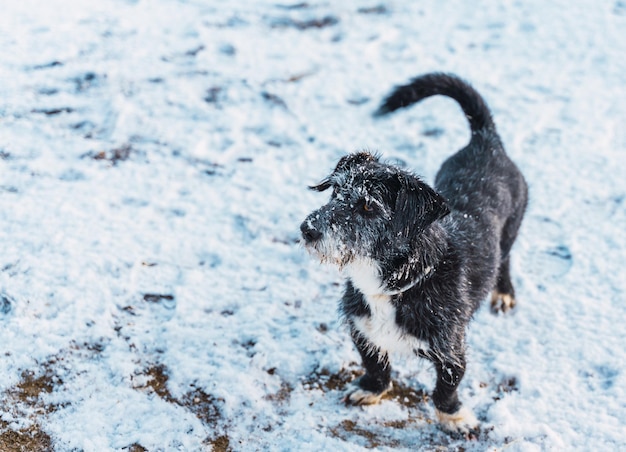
<point>427,85</point>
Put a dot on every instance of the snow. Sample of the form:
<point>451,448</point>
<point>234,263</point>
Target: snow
<point>154,164</point>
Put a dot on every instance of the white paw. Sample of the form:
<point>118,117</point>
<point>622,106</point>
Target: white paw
<point>362,397</point>
<point>462,421</point>
<point>501,302</point>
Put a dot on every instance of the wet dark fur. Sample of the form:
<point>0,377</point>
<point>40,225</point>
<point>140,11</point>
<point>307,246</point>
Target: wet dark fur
<point>440,251</point>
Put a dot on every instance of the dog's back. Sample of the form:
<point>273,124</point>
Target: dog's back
<point>485,191</point>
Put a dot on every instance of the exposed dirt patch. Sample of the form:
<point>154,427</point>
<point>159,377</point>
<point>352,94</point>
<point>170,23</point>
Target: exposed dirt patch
<point>135,448</point>
<point>406,395</point>
<point>347,429</point>
<point>391,434</point>
<point>220,444</point>
<point>327,381</point>
<point>206,407</point>
<point>506,385</point>
<point>203,405</point>
<point>24,401</point>
<point>32,386</point>
<point>157,381</point>
<point>25,439</point>
<point>283,395</point>
<point>113,156</point>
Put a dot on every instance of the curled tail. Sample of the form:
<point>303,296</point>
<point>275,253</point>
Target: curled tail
<point>427,85</point>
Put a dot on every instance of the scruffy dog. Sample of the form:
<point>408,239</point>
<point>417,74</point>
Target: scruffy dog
<point>420,260</point>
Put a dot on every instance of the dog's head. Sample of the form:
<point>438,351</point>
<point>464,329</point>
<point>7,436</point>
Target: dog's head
<point>376,210</point>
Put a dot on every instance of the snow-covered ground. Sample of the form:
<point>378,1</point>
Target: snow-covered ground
<point>154,159</point>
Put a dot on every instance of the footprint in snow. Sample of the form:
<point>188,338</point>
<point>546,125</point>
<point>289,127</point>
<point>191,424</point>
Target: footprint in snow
<point>5,304</point>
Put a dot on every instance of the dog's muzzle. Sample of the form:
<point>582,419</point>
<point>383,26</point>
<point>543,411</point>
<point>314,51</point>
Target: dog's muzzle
<point>309,233</point>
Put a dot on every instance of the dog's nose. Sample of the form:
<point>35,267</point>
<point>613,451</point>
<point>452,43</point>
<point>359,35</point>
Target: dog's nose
<point>309,233</point>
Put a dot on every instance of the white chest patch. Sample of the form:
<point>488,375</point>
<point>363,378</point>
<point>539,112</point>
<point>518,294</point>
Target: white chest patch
<point>380,328</point>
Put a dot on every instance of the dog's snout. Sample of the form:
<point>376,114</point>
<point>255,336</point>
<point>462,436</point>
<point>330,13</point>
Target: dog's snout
<point>309,233</point>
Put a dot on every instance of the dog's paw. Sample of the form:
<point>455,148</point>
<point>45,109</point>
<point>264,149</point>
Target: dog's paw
<point>501,302</point>
<point>359,397</point>
<point>463,421</point>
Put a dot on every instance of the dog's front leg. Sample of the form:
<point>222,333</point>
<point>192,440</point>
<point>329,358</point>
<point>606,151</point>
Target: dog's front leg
<point>451,414</point>
<point>372,386</point>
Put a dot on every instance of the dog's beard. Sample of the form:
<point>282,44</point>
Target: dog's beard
<point>330,250</point>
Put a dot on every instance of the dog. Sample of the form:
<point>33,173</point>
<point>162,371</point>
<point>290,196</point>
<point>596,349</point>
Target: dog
<point>420,260</point>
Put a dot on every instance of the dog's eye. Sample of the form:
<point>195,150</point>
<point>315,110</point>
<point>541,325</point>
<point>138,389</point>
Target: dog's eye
<point>367,207</point>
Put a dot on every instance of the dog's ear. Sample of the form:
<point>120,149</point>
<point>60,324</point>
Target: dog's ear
<point>417,206</point>
<point>323,185</point>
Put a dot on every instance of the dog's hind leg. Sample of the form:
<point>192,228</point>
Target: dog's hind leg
<point>451,414</point>
<point>372,386</point>
<point>503,295</point>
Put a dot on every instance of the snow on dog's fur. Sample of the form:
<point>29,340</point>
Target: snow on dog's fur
<point>420,260</point>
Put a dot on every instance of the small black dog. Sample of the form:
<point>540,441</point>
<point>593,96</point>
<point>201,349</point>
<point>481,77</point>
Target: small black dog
<point>420,260</point>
